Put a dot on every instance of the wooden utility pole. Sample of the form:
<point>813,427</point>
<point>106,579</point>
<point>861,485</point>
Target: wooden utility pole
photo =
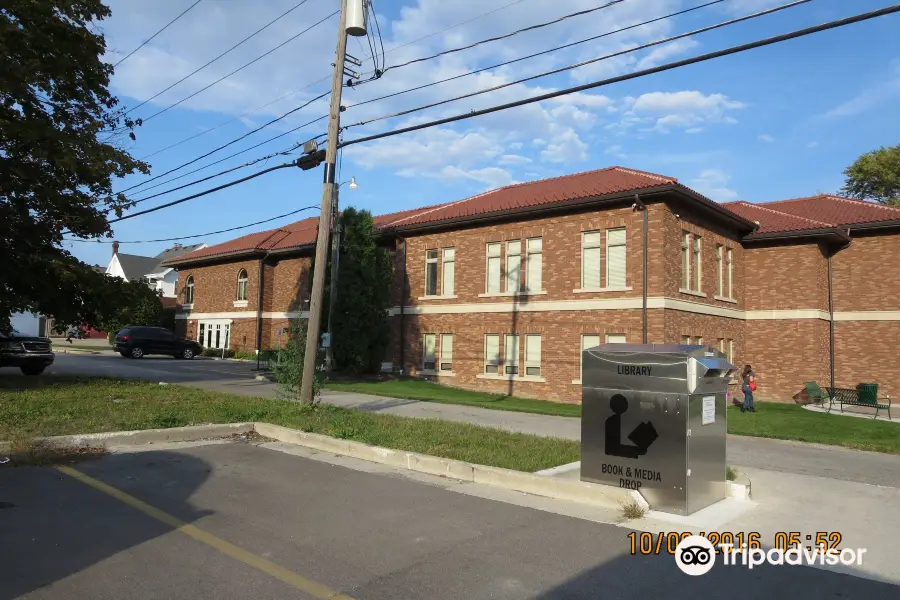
<point>325,215</point>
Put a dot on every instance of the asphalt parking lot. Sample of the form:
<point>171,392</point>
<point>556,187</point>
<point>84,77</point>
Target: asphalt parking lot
<point>234,520</point>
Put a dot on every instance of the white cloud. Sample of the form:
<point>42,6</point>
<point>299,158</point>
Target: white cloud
<point>513,159</point>
<point>663,53</point>
<point>492,177</point>
<point>712,183</point>
<point>694,130</point>
<point>887,90</point>
<point>766,138</point>
<point>565,148</point>
<point>687,109</point>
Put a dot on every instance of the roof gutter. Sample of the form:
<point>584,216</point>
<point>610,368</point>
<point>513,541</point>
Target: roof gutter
<point>873,225</point>
<point>744,224</point>
<point>834,233</point>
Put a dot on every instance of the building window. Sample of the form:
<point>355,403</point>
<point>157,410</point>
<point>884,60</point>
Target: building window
<point>214,334</point>
<point>615,338</point>
<point>615,258</point>
<point>698,340</point>
<point>189,290</point>
<point>697,270</point>
<point>242,285</point>
<point>448,271</point>
<point>730,353</point>
<point>587,341</point>
<point>533,355</point>
<point>729,266</point>
<point>720,285</point>
<point>201,332</point>
<point>446,352</point>
<point>511,356</point>
<point>533,264</point>
<point>492,285</point>
<point>685,260</point>
<point>428,359</point>
<point>431,272</point>
<point>590,260</point>
<point>513,266</point>
<point>492,353</point>
<point>685,340</point>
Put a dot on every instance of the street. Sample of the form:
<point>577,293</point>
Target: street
<point>255,522</point>
<point>238,378</point>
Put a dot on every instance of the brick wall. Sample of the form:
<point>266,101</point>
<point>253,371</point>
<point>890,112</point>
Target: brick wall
<point>215,286</point>
<point>785,355</point>
<point>866,351</point>
<point>786,277</point>
<point>865,274</point>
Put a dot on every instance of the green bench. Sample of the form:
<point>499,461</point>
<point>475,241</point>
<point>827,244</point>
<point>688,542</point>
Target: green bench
<point>865,395</point>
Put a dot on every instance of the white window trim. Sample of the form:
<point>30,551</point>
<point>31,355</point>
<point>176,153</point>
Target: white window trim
<point>506,271</point>
<point>729,267</point>
<point>437,282</point>
<point>528,259</point>
<point>692,293</point>
<point>602,289</point>
<point>241,303</point>
<point>484,362</point>
<point>523,378</point>
<point>511,294</point>
<point>437,297</point>
<point>607,246</point>
<point>487,269</point>
<point>515,359</point>
<point>440,355</point>
<point>724,299</point>
<point>187,306</point>
<point>697,255</point>
<point>444,263</point>
<point>720,275</point>
<point>686,259</point>
<point>581,354</point>
<point>531,363</point>
<point>583,248</point>
<point>425,355</point>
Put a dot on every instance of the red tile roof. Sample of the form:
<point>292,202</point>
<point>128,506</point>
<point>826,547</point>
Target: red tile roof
<point>836,209</point>
<point>589,184</point>
<point>773,221</point>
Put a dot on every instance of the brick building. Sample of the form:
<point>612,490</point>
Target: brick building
<point>501,291</point>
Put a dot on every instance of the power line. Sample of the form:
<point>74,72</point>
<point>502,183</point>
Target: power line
<point>149,39</point>
<point>555,49</point>
<point>203,193</point>
<point>637,74</point>
<point>507,35</point>
<point>204,132</point>
<point>188,237</point>
<point>207,178</point>
<point>195,71</point>
<point>585,62</point>
<point>241,68</point>
<point>225,145</point>
<point>238,153</point>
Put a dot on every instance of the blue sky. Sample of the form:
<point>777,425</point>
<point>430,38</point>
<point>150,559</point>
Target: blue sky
<point>768,124</point>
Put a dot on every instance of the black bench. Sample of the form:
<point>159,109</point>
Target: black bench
<point>859,397</point>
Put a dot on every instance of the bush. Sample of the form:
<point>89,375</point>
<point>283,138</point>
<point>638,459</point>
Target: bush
<point>289,366</point>
<point>245,355</point>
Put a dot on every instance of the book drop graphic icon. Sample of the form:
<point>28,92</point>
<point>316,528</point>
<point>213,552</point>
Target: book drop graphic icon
<point>641,436</point>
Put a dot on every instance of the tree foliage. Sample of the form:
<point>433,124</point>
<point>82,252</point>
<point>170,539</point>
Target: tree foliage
<point>59,128</point>
<point>289,366</point>
<point>365,273</point>
<point>875,176</point>
<point>133,303</point>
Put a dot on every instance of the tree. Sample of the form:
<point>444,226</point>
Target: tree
<point>133,303</point>
<point>875,176</point>
<point>58,126</point>
<point>365,274</point>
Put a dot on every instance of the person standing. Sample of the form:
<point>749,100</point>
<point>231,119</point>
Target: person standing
<point>748,386</point>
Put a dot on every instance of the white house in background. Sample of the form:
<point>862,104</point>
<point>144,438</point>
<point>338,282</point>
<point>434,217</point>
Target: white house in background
<point>29,323</point>
<point>132,267</point>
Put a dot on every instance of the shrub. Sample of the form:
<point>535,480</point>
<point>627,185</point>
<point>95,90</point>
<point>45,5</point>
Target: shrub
<point>289,366</point>
<point>217,353</point>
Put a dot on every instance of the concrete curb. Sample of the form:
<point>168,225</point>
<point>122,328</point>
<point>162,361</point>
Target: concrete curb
<point>577,491</point>
<point>76,351</point>
<point>147,436</point>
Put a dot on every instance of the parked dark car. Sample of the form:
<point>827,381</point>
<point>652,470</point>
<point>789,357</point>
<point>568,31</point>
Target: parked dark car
<point>31,354</point>
<point>139,340</point>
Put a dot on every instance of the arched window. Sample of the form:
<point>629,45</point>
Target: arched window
<point>189,290</point>
<point>242,285</point>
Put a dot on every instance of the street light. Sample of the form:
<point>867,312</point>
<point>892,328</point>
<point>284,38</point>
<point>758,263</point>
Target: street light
<point>335,259</point>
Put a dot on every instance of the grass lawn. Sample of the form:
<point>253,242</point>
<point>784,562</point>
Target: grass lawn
<point>413,389</point>
<point>772,419</point>
<point>793,422</point>
<point>50,405</point>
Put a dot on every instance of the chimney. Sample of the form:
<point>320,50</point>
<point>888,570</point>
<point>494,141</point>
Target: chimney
<point>115,248</point>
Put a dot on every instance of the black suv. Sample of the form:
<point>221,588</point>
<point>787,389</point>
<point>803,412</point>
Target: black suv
<point>31,354</point>
<point>137,341</point>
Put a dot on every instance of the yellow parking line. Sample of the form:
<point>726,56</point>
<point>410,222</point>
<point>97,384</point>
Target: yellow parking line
<point>257,562</point>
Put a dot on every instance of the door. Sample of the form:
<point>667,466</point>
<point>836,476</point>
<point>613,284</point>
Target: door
<point>168,343</point>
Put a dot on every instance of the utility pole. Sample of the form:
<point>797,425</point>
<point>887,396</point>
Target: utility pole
<point>357,10</point>
<point>335,265</point>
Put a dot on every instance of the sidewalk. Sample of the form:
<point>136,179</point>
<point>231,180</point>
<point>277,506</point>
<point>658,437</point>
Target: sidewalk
<point>816,460</point>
